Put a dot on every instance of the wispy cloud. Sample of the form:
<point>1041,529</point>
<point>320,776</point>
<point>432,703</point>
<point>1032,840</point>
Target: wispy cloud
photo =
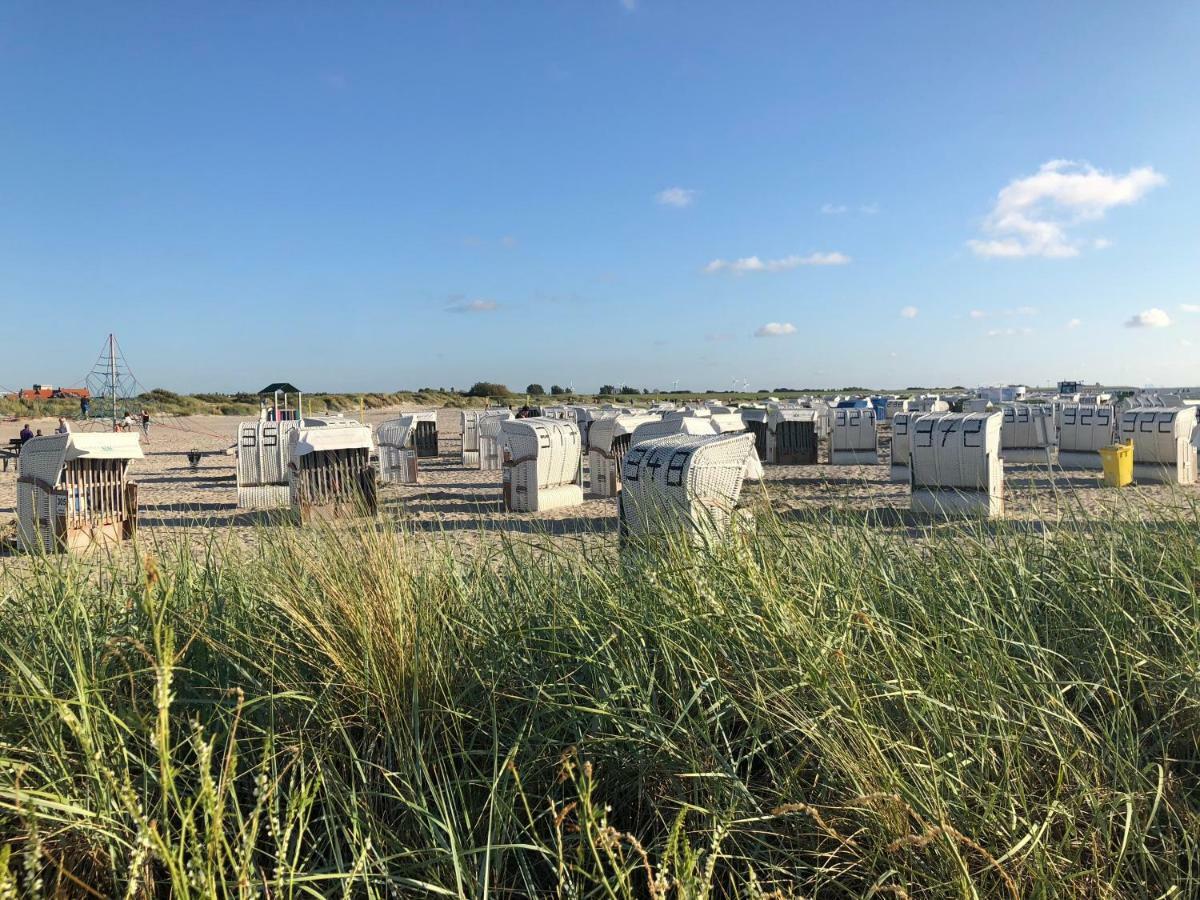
<point>754,264</point>
<point>1033,215</point>
<point>775,329</point>
<point>676,196</point>
<point>1190,307</point>
<point>718,337</point>
<point>629,5</point>
<point>1074,323</point>
<point>909,312</point>
<point>473,306</point>
<point>840,209</point>
<point>978,314</point>
<point>1008,332</point>
<point>1149,318</point>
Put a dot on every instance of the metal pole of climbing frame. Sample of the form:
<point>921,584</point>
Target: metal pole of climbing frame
<point>112,374</point>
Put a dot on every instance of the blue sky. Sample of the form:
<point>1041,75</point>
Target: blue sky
<point>380,196</point>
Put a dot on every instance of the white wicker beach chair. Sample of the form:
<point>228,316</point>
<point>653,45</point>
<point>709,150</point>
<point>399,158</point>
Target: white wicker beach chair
<point>329,470</point>
<point>955,464</point>
<point>682,483</point>
<point>793,435</point>
<point>541,464</point>
<point>1028,434</point>
<point>74,492</point>
<point>489,438</point>
<point>608,439</point>
<point>902,423</point>
<point>262,458</point>
<point>1162,443</point>
<point>852,440</point>
<point>1082,431</point>
<point>397,456</point>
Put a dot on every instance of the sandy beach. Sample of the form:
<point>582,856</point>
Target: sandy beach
<point>176,500</point>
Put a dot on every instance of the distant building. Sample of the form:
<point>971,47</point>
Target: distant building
<point>1003,393</point>
<point>49,392</point>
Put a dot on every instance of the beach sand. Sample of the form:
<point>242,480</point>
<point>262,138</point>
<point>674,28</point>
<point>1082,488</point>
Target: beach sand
<point>449,500</point>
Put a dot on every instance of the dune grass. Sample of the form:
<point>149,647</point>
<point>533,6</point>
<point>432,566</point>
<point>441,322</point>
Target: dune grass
<point>161,402</point>
<point>823,710</point>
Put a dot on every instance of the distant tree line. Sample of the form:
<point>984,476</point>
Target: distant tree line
<point>536,389</point>
<point>495,389</point>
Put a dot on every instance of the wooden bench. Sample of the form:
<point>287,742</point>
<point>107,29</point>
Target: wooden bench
<point>11,452</point>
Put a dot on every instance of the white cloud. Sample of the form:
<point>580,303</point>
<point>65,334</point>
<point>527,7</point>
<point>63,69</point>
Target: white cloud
<point>676,196</point>
<point>1149,318</point>
<point>1033,215</point>
<point>1101,243</point>
<point>908,312</point>
<point>1184,342</point>
<point>629,5</point>
<point>775,329</point>
<point>1190,307</point>
<point>474,306</point>
<point>820,259</point>
<point>978,314</point>
<point>754,264</point>
<point>838,209</point>
<point>1074,323</point>
<point>1008,332</point>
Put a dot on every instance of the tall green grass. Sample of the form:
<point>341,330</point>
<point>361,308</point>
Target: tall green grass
<point>821,710</point>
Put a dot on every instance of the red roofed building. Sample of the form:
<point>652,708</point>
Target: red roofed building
<point>44,392</point>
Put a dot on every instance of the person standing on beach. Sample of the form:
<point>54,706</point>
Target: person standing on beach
<point>85,407</point>
<point>146,423</point>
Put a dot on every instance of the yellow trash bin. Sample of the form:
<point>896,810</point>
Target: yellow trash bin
<point>1118,464</point>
